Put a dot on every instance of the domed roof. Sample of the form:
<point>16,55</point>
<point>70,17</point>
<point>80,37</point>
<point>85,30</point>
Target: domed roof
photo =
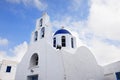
<point>62,31</point>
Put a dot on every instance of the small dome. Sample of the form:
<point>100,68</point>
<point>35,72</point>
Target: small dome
<point>62,31</point>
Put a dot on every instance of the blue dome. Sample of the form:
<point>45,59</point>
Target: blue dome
<point>62,31</point>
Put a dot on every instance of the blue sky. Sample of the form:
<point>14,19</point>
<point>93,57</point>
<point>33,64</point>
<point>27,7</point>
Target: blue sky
<point>18,20</point>
<point>95,21</point>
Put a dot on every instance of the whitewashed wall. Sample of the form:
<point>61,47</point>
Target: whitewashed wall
<point>53,64</point>
<point>110,70</point>
<point>8,75</point>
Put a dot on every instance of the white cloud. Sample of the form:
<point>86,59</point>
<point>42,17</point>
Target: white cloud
<point>104,52</point>
<point>3,42</point>
<point>19,51</point>
<point>35,3</point>
<point>104,18</point>
<point>103,23</point>
<point>68,22</point>
<point>2,55</point>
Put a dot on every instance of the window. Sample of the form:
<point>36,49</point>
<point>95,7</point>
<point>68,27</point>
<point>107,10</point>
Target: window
<point>72,44</point>
<point>42,32</point>
<point>32,77</point>
<point>36,35</point>
<point>41,22</point>
<point>54,42</point>
<point>34,60</point>
<point>8,69</point>
<point>118,75</point>
<point>63,39</point>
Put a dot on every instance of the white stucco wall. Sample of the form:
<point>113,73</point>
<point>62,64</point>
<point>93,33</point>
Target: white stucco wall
<point>82,65</point>
<point>68,40</point>
<point>49,63</point>
<point>58,64</point>
<point>54,64</point>
<point>110,70</point>
<point>8,75</point>
<point>47,26</point>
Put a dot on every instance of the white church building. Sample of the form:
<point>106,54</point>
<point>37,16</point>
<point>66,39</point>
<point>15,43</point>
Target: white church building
<point>112,71</point>
<point>56,57</point>
<point>7,69</point>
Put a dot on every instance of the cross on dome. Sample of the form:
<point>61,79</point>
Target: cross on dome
<point>62,27</point>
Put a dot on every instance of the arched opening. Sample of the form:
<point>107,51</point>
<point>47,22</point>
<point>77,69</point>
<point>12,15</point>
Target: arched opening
<point>36,36</point>
<point>34,60</point>
<point>54,42</point>
<point>72,43</point>
<point>42,32</point>
<point>63,40</point>
<point>41,22</point>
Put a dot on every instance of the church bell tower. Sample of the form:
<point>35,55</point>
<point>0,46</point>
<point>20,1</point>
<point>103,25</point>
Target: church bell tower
<point>42,30</point>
